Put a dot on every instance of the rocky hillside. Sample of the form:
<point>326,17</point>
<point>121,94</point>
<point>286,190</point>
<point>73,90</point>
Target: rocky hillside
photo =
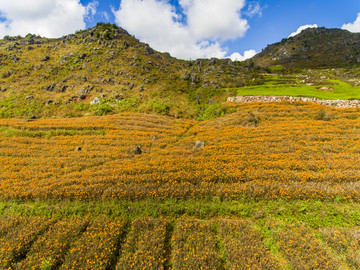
<point>105,69</point>
<point>313,48</point>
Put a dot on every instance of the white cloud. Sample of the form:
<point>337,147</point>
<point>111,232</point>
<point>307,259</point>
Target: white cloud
<point>49,18</point>
<point>353,27</point>
<point>105,15</point>
<point>91,8</point>
<point>238,57</point>
<point>200,33</point>
<point>254,8</point>
<point>212,19</point>
<point>303,27</point>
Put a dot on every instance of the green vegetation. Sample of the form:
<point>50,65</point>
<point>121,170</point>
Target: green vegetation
<point>313,213</point>
<point>280,86</point>
<point>61,77</point>
<point>17,132</point>
<point>318,48</point>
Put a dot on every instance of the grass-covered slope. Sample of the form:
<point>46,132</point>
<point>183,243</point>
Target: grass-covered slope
<point>313,48</point>
<point>60,77</point>
<point>63,77</point>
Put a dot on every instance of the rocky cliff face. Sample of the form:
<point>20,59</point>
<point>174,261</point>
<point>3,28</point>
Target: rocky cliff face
<point>313,48</point>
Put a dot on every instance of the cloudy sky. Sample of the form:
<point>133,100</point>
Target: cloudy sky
<point>188,29</point>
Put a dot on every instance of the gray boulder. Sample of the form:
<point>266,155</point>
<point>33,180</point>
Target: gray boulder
<point>95,101</point>
<point>137,150</point>
<point>194,78</point>
<point>63,89</point>
<point>46,58</point>
<point>198,99</point>
<point>212,61</point>
<point>199,145</point>
<point>51,87</point>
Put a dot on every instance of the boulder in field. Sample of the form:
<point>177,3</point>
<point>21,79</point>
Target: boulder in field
<point>199,145</point>
<point>137,150</point>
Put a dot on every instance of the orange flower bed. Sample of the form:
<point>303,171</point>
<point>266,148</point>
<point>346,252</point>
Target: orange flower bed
<point>345,241</point>
<point>244,246</point>
<point>145,245</point>
<point>302,249</point>
<point>96,248</point>
<point>15,244</point>
<point>291,153</point>
<point>49,250</point>
<point>194,245</point>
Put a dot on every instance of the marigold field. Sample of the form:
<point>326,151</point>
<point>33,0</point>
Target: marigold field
<point>276,186</point>
<point>289,154</point>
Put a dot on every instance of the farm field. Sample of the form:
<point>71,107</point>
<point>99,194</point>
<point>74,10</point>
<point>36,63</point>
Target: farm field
<point>305,85</point>
<point>274,187</point>
<point>184,243</point>
<point>265,151</point>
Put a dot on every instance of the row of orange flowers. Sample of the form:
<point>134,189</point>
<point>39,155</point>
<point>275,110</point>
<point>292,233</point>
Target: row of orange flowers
<point>184,243</point>
<point>289,154</point>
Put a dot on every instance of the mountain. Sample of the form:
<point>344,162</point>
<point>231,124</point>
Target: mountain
<point>106,65</point>
<point>313,48</point>
<point>105,70</point>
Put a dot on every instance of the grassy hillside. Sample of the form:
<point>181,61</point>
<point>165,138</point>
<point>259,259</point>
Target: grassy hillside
<point>63,77</point>
<point>313,48</point>
<point>60,77</point>
<point>272,182</point>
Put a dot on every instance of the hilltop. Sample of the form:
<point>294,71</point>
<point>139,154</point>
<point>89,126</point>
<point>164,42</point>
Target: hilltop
<point>60,77</point>
<point>313,48</point>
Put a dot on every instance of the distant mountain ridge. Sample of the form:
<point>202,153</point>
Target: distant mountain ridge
<point>313,48</point>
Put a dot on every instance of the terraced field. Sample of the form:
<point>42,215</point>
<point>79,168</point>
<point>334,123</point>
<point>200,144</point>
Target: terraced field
<point>148,243</point>
<point>266,151</point>
<point>274,187</point>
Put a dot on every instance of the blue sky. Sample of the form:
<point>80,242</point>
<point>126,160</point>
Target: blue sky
<point>185,28</point>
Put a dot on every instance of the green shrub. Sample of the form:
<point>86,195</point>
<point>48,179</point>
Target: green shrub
<point>102,109</point>
<point>128,103</point>
<point>212,111</point>
<point>80,107</point>
<point>8,38</point>
<point>324,115</point>
<point>47,264</point>
<point>29,36</point>
<point>156,106</point>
